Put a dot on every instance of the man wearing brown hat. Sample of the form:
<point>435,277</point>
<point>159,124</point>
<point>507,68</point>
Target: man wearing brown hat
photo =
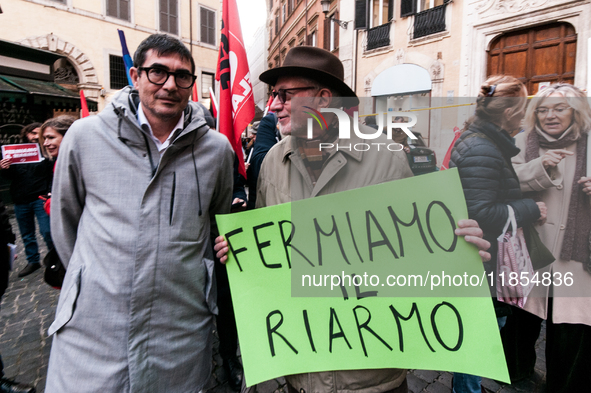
<point>297,168</point>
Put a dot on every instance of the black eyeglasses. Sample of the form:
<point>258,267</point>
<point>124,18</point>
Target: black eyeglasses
<point>159,76</point>
<point>282,93</point>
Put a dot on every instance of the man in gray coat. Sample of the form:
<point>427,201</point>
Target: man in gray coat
<point>135,193</point>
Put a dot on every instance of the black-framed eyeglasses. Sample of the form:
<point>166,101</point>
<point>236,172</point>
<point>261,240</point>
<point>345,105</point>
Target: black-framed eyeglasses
<point>282,93</point>
<point>159,76</point>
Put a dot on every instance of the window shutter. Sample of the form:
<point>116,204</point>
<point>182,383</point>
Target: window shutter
<point>124,14</point>
<point>336,31</point>
<point>163,15</point>
<point>390,10</point>
<point>211,27</point>
<point>408,7</point>
<point>326,43</point>
<point>203,25</point>
<point>361,14</point>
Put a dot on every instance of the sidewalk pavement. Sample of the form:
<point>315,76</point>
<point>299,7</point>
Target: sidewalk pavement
<point>28,308</point>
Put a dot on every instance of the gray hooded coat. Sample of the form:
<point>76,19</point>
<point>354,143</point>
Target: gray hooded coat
<point>135,313</point>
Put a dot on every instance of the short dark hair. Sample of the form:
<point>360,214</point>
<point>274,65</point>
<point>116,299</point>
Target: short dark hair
<point>27,129</point>
<point>163,45</point>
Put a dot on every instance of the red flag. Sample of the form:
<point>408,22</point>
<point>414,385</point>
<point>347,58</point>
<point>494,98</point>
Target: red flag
<point>236,102</point>
<point>84,107</point>
<point>195,95</point>
<point>445,163</point>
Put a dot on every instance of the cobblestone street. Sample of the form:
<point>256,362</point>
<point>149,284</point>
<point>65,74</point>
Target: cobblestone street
<point>28,309</point>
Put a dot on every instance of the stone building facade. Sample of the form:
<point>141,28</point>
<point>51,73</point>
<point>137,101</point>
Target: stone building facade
<point>85,32</point>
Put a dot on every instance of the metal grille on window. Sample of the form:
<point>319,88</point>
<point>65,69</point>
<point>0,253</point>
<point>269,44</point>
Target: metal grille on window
<point>378,37</point>
<point>168,16</point>
<point>117,75</point>
<point>207,26</point>
<point>118,9</point>
<point>430,21</point>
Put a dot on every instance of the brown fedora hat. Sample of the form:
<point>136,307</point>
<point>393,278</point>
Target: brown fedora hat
<point>314,63</point>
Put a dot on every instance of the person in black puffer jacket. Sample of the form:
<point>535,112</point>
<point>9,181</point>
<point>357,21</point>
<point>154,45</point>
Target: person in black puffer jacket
<point>482,155</point>
<point>28,182</point>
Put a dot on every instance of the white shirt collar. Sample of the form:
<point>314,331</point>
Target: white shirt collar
<point>146,126</point>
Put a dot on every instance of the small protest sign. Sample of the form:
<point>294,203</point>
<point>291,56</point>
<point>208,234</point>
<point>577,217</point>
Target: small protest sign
<point>283,331</point>
<point>22,153</point>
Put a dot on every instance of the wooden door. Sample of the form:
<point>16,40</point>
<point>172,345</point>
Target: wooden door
<point>536,55</point>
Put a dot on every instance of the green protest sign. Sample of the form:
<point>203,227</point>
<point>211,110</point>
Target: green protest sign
<point>376,237</point>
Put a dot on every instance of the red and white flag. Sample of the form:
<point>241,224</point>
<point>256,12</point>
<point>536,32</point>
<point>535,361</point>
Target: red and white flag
<point>236,102</point>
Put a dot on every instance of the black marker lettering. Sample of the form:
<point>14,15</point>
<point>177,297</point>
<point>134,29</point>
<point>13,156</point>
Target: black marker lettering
<point>365,325</point>
<point>262,245</point>
<point>460,327</point>
<point>234,252</point>
<point>273,330</point>
<point>398,317</point>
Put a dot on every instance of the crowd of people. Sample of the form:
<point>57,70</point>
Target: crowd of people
<point>135,191</point>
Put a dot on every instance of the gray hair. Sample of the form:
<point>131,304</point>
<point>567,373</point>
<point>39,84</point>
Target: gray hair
<point>574,96</point>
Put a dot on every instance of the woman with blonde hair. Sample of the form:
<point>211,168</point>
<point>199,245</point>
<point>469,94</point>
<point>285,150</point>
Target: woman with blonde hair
<point>552,168</point>
<point>482,155</point>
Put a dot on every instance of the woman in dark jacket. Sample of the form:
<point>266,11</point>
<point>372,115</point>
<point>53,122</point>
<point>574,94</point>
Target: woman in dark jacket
<point>28,182</point>
<point>482,155</point>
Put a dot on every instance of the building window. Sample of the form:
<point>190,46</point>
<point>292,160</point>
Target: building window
<point>270,5</point>
<point>290,6</point>
<point>373,13</point>
<point>206,83</point>
<point>312,39</point>
<point>277,24</point>
<point>382,11</point>
<point>169,16</point>
<point>207,26</point>
<point>117,74</point>
<point>428,4</point>
<point>118,9</point>
<point>331,33</point>
<point>284,12</point>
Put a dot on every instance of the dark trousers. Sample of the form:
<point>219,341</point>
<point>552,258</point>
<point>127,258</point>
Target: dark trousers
<point>568,356</point>
<point>3,285</point>
<point>226,322</point>
<point>568,351</point>
<point>519,336</point>
<point>25,217</point>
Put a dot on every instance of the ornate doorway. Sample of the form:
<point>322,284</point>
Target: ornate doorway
<point>538,55</point>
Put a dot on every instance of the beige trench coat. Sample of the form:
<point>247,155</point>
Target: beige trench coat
<point>572,304</point>
<point>284,178</point>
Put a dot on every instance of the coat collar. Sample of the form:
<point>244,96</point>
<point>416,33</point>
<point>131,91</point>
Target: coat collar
<point>499,136</point>
<point>125,104</point>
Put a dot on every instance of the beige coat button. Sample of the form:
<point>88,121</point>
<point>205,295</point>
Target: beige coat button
<point>559,187</point>
<point>562,227</point>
